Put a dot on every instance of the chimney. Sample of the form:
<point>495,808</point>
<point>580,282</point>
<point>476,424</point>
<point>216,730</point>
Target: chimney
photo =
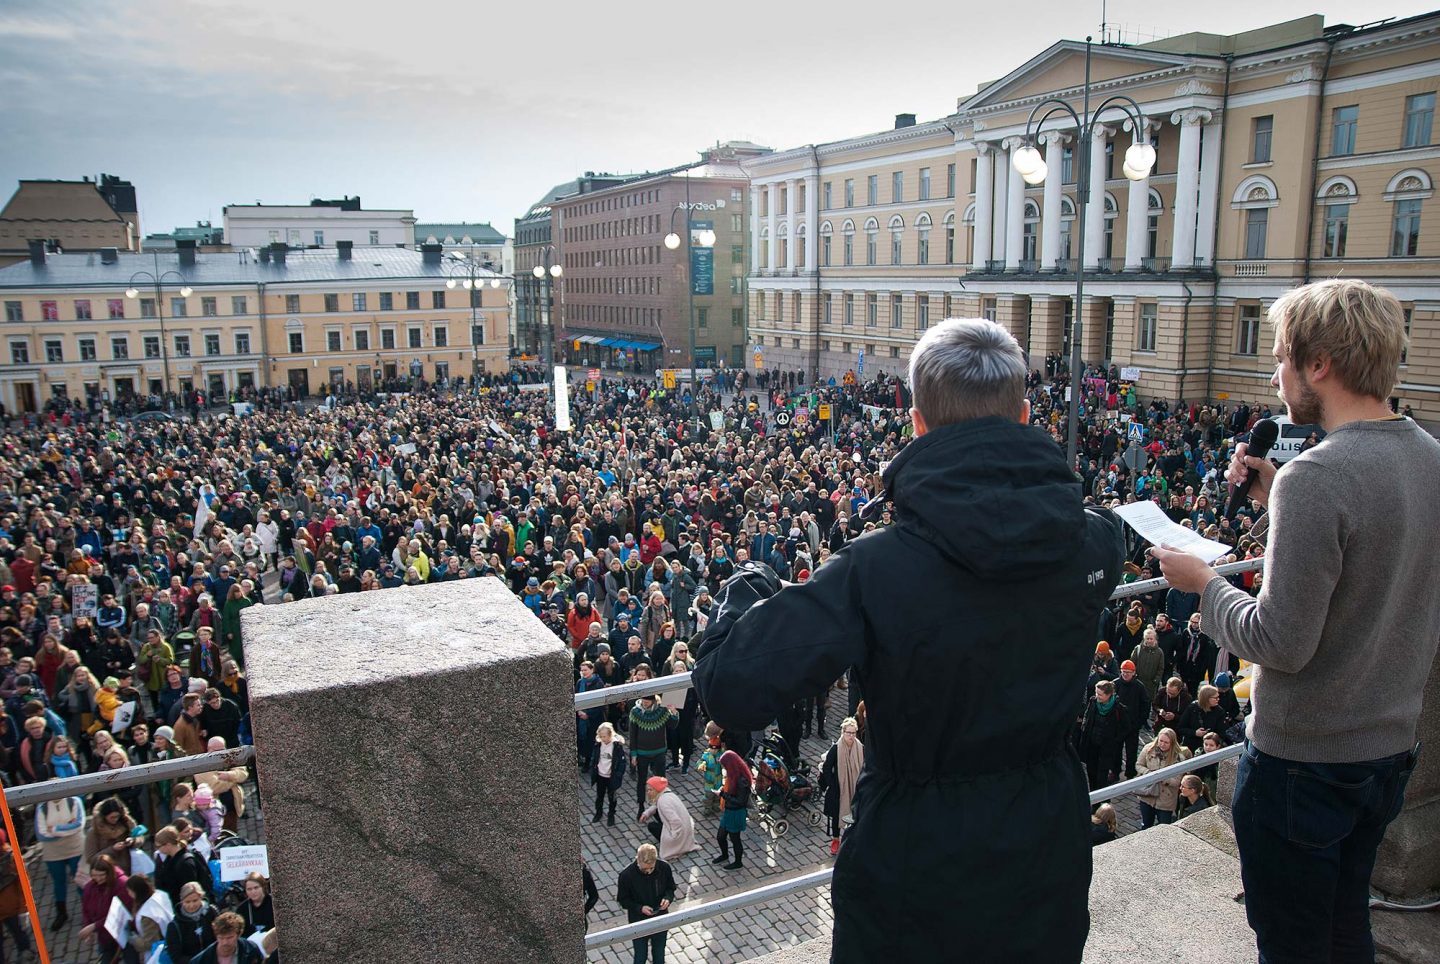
<point>344,248</point>
<point>185,251</point>
<point>265,255</point>
<point>109,255</point>
<point>431,253</point>
<point>904,120</point>
<point>278,251</point>
<point>37,252</point>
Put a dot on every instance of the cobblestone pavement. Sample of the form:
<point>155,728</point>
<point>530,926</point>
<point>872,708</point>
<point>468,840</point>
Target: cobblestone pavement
<point>747,933</point>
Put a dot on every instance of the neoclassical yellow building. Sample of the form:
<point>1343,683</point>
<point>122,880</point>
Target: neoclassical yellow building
<point>89,324</point>
<point>1292,153</point>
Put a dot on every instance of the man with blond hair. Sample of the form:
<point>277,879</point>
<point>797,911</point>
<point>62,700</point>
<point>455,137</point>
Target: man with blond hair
<point>645,889</point>
<point>1349,610</point>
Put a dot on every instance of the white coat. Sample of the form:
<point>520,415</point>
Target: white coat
<point>677,834</point>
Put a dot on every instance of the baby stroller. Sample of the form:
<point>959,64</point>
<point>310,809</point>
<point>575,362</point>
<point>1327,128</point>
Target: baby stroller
<point>778,791</point>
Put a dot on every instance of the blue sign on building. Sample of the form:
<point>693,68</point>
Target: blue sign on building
<point>702,260</point>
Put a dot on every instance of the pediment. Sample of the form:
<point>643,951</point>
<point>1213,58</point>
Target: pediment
<point>1062,67</point>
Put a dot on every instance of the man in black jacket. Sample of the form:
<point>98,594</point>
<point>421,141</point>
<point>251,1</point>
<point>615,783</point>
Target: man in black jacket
<point>1136,699</point>
<point>971,791</point>
<point>645,889</point>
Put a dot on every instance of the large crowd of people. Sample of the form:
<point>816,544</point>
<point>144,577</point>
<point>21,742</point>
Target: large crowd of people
<point>130,546</point>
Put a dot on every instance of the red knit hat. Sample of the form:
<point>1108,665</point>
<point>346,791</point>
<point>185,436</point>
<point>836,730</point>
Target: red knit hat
<point>1102,648</point>
<point>1128,665</point>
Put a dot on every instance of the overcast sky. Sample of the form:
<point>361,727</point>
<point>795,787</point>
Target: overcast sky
<point>472,111</point>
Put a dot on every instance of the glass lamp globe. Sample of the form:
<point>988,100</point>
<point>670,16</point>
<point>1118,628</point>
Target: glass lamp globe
<point>1037,176</point>
<point>1132,173</point>
<point>186,291</point>
<point>707,238</point>
<point>538,271</point>
<point>1026,160</point>
<point>132,292</point>
<point>556,271</point>
<point>672,240</point>
<point>494,282</point>
<point>450,283</point>
<point>1140,157</point>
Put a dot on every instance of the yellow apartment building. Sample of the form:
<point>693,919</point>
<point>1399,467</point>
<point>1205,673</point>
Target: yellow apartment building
<point>82,325</point>
<point>1286,154</point>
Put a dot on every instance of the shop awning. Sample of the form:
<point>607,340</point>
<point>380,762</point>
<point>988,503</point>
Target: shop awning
<point>644,345</point>
<point>608,342</point>
<point>590,340</point>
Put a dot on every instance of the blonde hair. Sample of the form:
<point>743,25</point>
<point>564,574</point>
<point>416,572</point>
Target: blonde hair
<point>1360,328</point>
<point>646,854</point>
<point>1206,691</point>
<point>1105,814</point>
<point>1175,748</point>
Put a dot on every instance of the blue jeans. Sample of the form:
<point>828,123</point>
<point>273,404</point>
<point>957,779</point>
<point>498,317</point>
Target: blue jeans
<point>61,873</point>
<point>656,943</point>
<point>1307,834</point>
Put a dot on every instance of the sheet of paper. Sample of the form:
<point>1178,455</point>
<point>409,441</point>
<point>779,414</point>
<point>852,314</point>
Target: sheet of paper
<point>117,920</point>
<point>1157,529</point>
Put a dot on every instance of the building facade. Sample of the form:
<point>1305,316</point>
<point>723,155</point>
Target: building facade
<point>626,299</point>
<point>319,224</point>
<point>1287,154</point>
<point>82,215</point>
<point>534,245</point>
<point>300,318</point>
<point>480,242</point>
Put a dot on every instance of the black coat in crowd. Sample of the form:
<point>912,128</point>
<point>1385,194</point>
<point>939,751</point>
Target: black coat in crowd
<point>971,794</point>
<point>635,889</point>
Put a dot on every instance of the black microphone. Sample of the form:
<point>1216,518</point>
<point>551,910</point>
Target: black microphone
<point>1262,439</point>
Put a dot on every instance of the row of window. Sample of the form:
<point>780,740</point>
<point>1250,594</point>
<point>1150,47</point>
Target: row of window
<point>1345,124</point>
<point>54,348</point>
<point>619,202</point>
<point>293,237</point>
<point>872,189</point>
<point>84,308</point>
<point>360,338</point>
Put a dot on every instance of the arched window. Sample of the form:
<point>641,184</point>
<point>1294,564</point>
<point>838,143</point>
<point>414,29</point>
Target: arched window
<point>1112,211</point>
<point>922,234</point>
<point>848,230</point>
<point>1336,194</point>
<point>826,231</point>
<point>897,239</point>
<point>782,233</point>
<point>765,246</point>
<point>1408,191</point>
<point>800,246</point>
<point>1031,237</point>
<point>968,219</point>
<point>1255,195</point>
<point>1156,207</point>
<point>872,240</point>
<point>1067,226</point>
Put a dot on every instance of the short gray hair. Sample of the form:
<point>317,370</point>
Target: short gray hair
<point>967,368</point>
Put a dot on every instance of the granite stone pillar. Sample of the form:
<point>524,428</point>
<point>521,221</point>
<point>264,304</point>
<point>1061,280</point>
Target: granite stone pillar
<point>416,752</point>
<point>1408,864</point>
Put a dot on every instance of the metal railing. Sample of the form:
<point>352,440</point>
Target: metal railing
<point>692,913</point>
<point>102,780</point>
<point>681,681</point>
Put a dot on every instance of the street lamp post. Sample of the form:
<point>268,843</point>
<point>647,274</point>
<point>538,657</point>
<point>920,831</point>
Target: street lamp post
<point>547,277</point>
<point>672,241</point>
<point>1028,163</point>
<point>463,271</point>
<point>158,278</point>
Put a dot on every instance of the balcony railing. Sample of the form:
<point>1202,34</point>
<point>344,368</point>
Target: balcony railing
<point>1029,265</point>
<point>1251,269</point>
<point>1155,265</point>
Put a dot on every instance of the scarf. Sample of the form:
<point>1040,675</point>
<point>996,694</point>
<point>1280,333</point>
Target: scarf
<point>1132,623</point>
<point>1104,708</point>
<point>849,761</point>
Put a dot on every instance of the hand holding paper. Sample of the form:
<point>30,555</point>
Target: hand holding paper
<point>1157,529</point>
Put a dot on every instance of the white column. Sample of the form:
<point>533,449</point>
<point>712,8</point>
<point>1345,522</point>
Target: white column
<point>984,221</point>
<point>791,223</point>
<point>1014,207</point>
<point>1187,180</point>
<point>754,228</point>
<point>772,221</point>
<point>998,200</point>
<point>1095,204</point>
<point>1137,214</point>
<point>1053,143</point>
<point>1209,188</point>
<point>812,221</point>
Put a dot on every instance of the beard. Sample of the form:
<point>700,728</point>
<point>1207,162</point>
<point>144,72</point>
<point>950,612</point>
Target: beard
<point>1306,408</point>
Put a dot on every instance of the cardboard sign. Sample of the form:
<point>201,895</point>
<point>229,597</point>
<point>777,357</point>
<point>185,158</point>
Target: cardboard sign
<point>1129,374</point>
<point>237,862</point>
<point>85,600</point>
